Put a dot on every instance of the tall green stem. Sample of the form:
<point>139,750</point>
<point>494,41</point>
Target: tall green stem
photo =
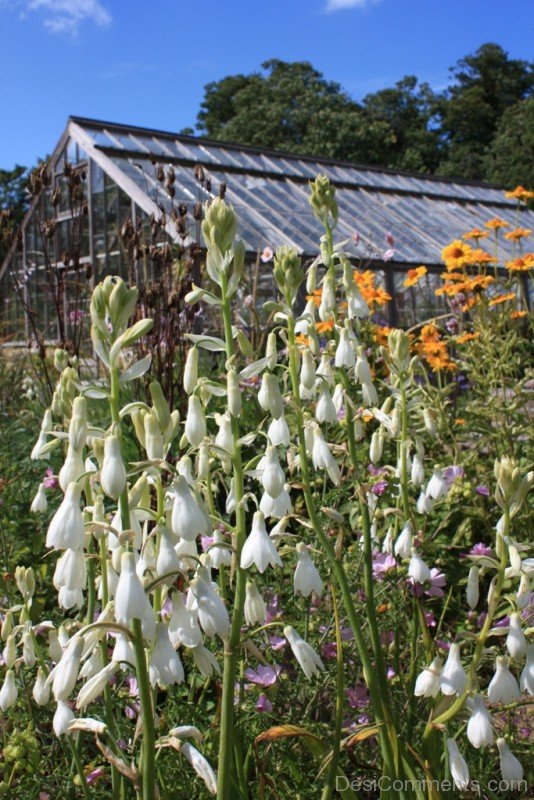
<point>147,768</point>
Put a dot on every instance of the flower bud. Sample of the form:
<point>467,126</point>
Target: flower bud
<point>254,609</point>
<point>195,423</point>
<point>458,766</point>
<point>288,272</point>
<point>515,641</point>
<point>473,591</point>
<point>41,689</point>
<point>10,651</point>
<point>271,351</point>
<point>191,370</point>
<point>306,578</point>
<point>160,406</point>
<point>113,472</point>
<point>8,692</point>
<point>511,769</point>
<point>273,477</point>
<point>65,673</point>
<point>153,439</point>
<point>234,393</point>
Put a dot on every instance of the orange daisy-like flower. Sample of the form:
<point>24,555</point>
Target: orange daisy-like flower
<point>522,264</point>
<point>301,339</point>
<point>479,282</point>
<point>323,327</point>
<point>316,297</point>
<point>459,421</point>
<point>502,298</point>
<point>517,233</point>
<point>518,314</point>
<point>413,276</point>
<point>480,256</point>
<point>380,334</point>
<point>476,234</point>
<point>372,294</point>
<point>520,193</point>
<point>454,254</point>
<point>496,223</point>
<point>467,337</point>
<point>429,333</point>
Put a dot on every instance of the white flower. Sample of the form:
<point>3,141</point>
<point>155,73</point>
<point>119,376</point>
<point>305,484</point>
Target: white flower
<point>41,442</point>
<point>200,765</point>
<point>212,613</point>
<point>183,628</point>
<point>72,468</point>
<point>123,652</point>
<point>345,355</point>
<point>472,592</point>
<point>307,370</point>
<point>255,609</point>
<point>338,398</point>
<point>269,396</point>
<point>503,686</point>
<point>357,307</point>
<point>65,673</point>
<point>167,562</point>
<point>62,718</point>
<point>522,597</point>
<point>424,503</point>
<point>234,392</point>
<point>9,691</point>
<point>276,508</point>
<point>325,370</point>
<point>219,553</point>
<point>195,423</point>
<point>479,730</point>
<point>187,552</point>
<point>418,471</point>
<point>515,641</point>
<point>453,677</point>
<point>403,543</point>
<point>87,724</point>
<point>428,681</point>
<point>39,502</point>
<point>187,519</point>
<point>511,769</point>
<point>278,432</point>
<point>418,571</point>
<point>191,370</point>
<point>66,529</point>
<point>55,649</point>
<point>437,485</point>
<point>70,578</point>
<point>165,667</point>
<point>186,732</point>
<point>363,374</point>
<point>10,651</point>
<point>526,682</point>
<point>96,685</point>
<point>113,472</point>
<point>376,446</point>
<point>273,477</point>
<point>225,438</point>
<point>325,410</point>
<point>153,439</point>
<point>205,661</point>
<point>131,601</point>
<point>41,689</point>
<point>259,549</point>
<point>28,649</point>
<point>322,457</point>
<point>458,766</point>
<point>306,578</point>
<point>308,659</point>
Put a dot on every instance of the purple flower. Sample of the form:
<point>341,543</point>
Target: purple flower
<point>430,619</point>
<point>382,564</point>
<point>452,325</point>
<point>329,650</point>
<point>375,471</point>
<point>481,549</point>
<point>438,581</point>
<point>76,316</point>
<point>50,481</point>
<point>132,710</point>
<point>277,642</point>
<point>380,487</point>
<point>452,474</point>
<point>265,675</point>
<point>264,705</point>
<point>133,688</point>
<point>94,775</point>
<point>482,490</point>
<point>390,673</point>
<point>357,697</point>
<point>206,541</point>
<point>388,254</point>
<point>273,609</point>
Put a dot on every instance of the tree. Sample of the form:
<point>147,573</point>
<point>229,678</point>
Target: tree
<point>510,157</point>
<point>13,191</point>
<point>487,84</point>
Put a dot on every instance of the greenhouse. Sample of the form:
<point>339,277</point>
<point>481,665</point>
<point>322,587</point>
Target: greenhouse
<point>392,221</point>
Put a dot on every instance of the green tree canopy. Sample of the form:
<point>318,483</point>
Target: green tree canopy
<point>510,157</point>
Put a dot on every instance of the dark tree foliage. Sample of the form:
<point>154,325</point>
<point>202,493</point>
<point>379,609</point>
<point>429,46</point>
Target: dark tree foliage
<point>510,157</point>
<point>13,190</point>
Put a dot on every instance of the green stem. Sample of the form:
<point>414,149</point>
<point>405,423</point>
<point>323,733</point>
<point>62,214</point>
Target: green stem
<point>79,768</point>
<point>340,696</point>
<point>147,767</point>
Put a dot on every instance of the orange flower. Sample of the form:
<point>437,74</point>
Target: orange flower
<point>502,298</point>
<point>520,193</point>
<point>373,295</point>
<point>518,314</point>
<point>480,256</point>
<point>316,297</point>
<point>429,333</point>
<point>496,223</point>
<point>467,337</point>
<point>476,234</point>
<point>478,283</point>
<point>301,339</point>
<point>459,421</point>
<point>380,334</point>
<point>522,264</point>
<point>517,233</point>
<point>322,327</point>
<point>413,276</point>
<point>455,254</point>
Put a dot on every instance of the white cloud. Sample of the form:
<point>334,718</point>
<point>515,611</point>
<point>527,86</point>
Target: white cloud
<point>340,5</point>
<point>66,16</point>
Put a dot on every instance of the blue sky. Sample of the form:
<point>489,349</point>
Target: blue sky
<point>146,63</point>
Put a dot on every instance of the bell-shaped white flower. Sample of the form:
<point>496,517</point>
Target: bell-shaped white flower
<point>205,661</point>
<point>94,687</point>
<point>63,716</point>
<point>220,555</point>
<point>259,548</point>
<point>131,601</point>
<point>306,578</point>
<point>278,432</point>
<point>269,396</point>
<point>325,410</point>
<point>8,692</point>
<point>424,503</point>
<point>322,457</point>
<point>276,507</point>
<point>225,438</point>
<point>41,689</point>
<point>113,472</point>
<point>437,485</point>
<point>325,371</point>
<point>55,648</point>
<point>72,468</point>
<point>376,446</point>
<point>526,681</point>
<point>165,667</point>
<point>511,769</point>
<point>345,355</point>
<point>328,298</point>
<point>417,472</point>
<point>42,440</point>
<point>191,370</point>
<point>154,447</point>
<point>403,542</point>
<point>338,398</point>
<point>473,587</point>
<point>195,422</point>
<point>167,562</point>
<point>363,374</point>
<point>39,502</point>
<point>308,659</point>
<point>71,570</point>
<point>357,308</point>
<point>65,674</point>
<point>10,651</point>
<point>187,519</point>
<point>28,649</point>
<point>453,677</point>
<point>66,529</point>
<point>503,686</point>
<point>200,765</point>
<point>524,592</point>
<point>187,553</point>
<point>92,665</point>
<point>183,629</point>
<point>123,652</point>
<point>255,609</point>
<point>516,643</point>
<point>458,766</point>
<point>418,571</point>
<point>428,681</point>
<point>212,613</point>
<point>307,369</point>
<point>479,730</point>
<point>273,477</point>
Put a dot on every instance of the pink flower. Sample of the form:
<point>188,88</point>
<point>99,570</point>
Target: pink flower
<point>50,481</point>
<point>94,775</point>
<point>356,237</point>
<point>76,316</point>
<point>382,564</point>
<point>380,487</point>
<point>388,254</point>
<point>357,697</point>
<point>267,254</point>
<point>481,549</point>
<point>264,704</point>
<point>329,650</point>
<point>265,675</point>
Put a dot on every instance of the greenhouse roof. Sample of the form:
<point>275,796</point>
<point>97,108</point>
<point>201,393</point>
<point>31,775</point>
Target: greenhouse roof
<point>269,191</point>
